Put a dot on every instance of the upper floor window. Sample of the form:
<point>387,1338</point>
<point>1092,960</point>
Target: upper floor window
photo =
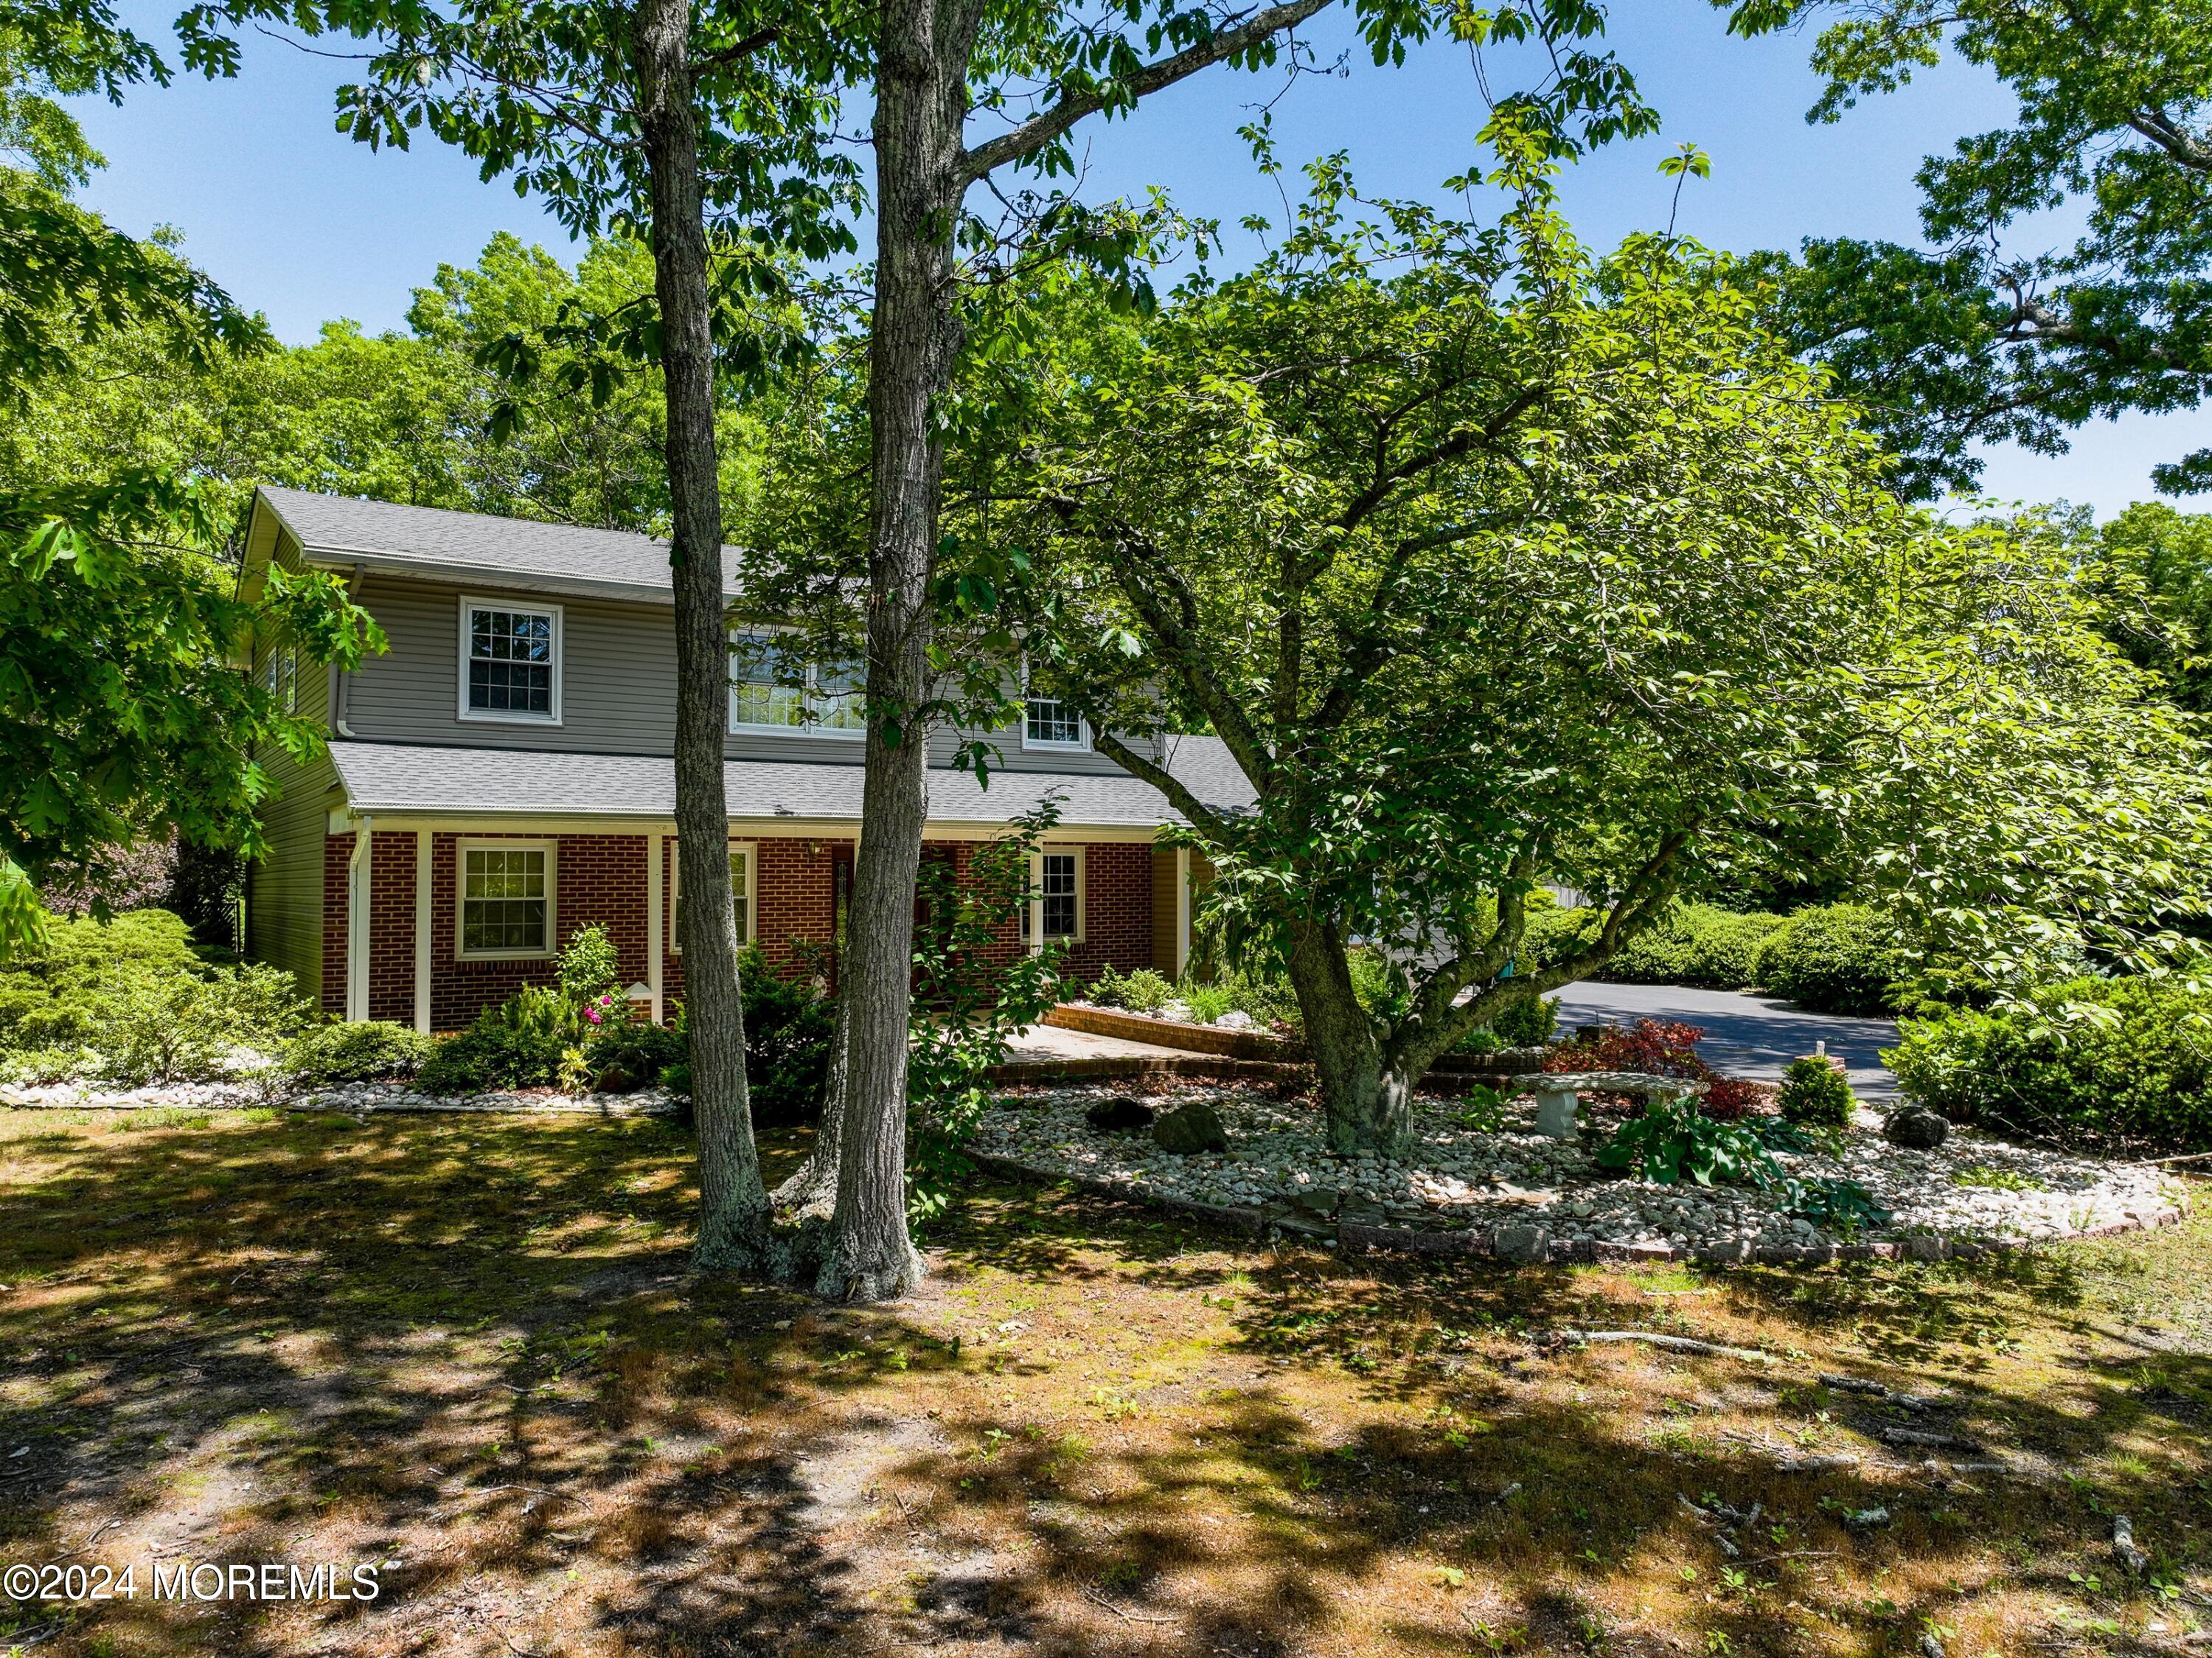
<point>768,693</point>
<point>280,675</point>
<point>1049,722</point>
<point>510,662</point>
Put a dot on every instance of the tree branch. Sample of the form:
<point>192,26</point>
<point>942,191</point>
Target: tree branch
<point>1202,817</point>
<point>1035,134</point>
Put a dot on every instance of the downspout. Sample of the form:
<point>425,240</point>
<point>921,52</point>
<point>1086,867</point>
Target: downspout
<point>340,683</point>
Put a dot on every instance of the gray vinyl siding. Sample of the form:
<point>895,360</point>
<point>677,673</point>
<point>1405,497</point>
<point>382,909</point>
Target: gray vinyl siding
<point>617,688</point>
<point>284,889</point>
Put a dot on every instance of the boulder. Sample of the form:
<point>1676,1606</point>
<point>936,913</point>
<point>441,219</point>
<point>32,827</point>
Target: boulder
<point>1191,1128</point>
<point>1235,1019</point>
<point>1119,1115</point>
<point>1916,1128</point>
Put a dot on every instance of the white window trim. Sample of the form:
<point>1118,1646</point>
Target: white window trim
<point>1036,938</point>
<point>461,850</point>
<point>742,728</point>
<point>1081,746</point>
<point>501,716</point>
<point>751,850</point>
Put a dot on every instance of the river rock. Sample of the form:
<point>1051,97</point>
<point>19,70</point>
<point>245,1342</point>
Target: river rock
<point>1189,1129</point>
<point>1119,1115</point>
<point>1916,1128</point>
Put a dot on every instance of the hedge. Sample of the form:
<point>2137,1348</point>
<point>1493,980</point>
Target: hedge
<point>1699,944</point>
<point>2117,1063</point>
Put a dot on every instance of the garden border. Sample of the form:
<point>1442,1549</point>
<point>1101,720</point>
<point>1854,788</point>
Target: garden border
<point>1533,1246</point>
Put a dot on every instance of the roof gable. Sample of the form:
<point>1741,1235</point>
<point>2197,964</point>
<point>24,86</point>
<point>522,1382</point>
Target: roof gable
<point>436,543</point>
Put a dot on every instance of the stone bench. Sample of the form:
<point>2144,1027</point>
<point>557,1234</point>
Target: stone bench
<point>1559,1094</point>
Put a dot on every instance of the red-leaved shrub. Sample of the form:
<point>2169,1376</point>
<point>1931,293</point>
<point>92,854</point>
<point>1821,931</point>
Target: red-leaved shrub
<point>1728,1098</point>
<point>1657,1047</point>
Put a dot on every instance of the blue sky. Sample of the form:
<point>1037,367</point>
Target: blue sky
<point>299,221</point>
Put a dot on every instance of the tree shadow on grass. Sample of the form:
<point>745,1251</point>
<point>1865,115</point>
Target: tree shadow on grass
<point>472,1346</point>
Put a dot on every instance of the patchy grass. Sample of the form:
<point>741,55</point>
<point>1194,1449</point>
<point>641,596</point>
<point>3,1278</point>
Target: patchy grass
<point>471,1346</point>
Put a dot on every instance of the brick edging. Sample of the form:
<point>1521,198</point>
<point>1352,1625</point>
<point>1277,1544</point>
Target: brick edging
<point>1171,1033</point>
<point>1209,1065</point>
<point>1531,1245</point>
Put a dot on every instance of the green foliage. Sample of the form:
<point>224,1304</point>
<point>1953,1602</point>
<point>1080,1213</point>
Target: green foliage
<point>969,1002</point>
<point>1977,340</point>
<point>131,993</point>
<point>1815,1094</point>
<point>639,1049</point>
<point>2154,565</point>
<point>1838,957</point>
<point>52,995</point>
<point>1671,1142</point>
<point>1697,944</point>
<point>1141,991</point>
<point>1206,1002</point>
<point>1528,1024</point>
<point>354,1051</point>
<point>1840,1204</point>
<point>495,1053</point>
<point>791,1030</point>
<point>589,965</point>
<point>2123,1063</point>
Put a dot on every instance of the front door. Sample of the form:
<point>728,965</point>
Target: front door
<point>841,905</point>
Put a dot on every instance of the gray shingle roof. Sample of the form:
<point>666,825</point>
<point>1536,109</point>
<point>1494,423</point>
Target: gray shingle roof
<point>405,778</point>
<point>432,542</point>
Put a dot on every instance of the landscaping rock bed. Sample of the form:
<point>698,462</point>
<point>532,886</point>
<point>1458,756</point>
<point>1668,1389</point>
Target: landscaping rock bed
<point>1517,1193</point>
<point>356,1097</point>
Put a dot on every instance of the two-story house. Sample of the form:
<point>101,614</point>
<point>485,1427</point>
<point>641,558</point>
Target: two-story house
<point>502,777</point>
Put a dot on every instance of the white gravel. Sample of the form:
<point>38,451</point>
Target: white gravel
<point>356,1097</point>
<point>1463,1178</point>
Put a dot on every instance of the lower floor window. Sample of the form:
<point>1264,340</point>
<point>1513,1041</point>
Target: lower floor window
<point>1060,901</point>
<point>741,896</point>
<point>506,900</point>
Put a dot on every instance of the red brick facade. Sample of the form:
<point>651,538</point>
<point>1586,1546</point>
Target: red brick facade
<point>604,879</point>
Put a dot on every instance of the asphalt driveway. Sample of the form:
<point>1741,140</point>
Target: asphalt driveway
<point>1751,1036</point>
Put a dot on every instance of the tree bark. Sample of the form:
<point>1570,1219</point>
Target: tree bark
<point>920,110</point>
<point>1346,1057</point>
<point>733,1209</point>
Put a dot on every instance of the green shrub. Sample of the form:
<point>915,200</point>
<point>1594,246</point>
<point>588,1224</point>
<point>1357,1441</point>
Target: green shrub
<point>161,1026</point>
<point>1699,944</point>
<point>589,965</point>
<point>639,1048</point>
<point>1528,1024</point>
<point>1206,1002</point>
<point>1837,958</point>
<point>1814,1094</point>
<point>39,1068</point>
<point>2096,1061</point>
<point>1141,991</point>
<point>790,1029</point>
<point>52,997</point>
<point>508,1047</point>
<point>354,1051</point>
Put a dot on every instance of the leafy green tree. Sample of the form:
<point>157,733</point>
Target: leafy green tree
<point>1494,565</point>
<point>124,717</point>
<point>1976,338</point>
<point>706,134</point>
<point>2155,566</point>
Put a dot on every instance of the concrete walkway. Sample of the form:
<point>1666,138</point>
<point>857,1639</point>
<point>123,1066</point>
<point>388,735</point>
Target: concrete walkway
<point>1751,1036</point>
<point>1041,1043</point>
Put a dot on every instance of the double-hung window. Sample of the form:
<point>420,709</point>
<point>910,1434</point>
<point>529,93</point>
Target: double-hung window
<point>770,692</point>
<point>1054,912</point>
<point>506,906</point>
<point>510,662</point>
<point>741,896</point>
<point>1048,721</point>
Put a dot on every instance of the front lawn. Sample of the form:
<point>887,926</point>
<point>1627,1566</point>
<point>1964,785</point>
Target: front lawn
<point>470,1345</point>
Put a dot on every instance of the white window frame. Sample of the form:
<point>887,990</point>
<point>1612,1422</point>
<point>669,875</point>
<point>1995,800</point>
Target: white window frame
<point>751,851</point>
<point>461,850</point>
<point>470,606</point>
<point>1033,914</point>
<point>1081,746</point>
<point>809,693</point>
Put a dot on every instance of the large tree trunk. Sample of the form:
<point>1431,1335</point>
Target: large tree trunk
<point>1369,1105</point>
<point>733,1210</point>
<point>920,112</point>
